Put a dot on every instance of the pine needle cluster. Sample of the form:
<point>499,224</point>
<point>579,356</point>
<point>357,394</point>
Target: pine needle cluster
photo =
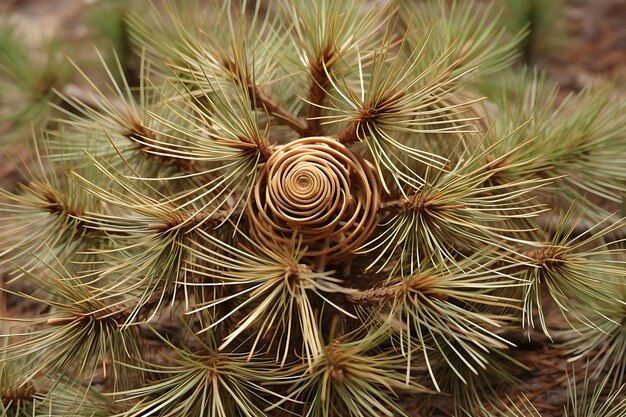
<point>314,208</point>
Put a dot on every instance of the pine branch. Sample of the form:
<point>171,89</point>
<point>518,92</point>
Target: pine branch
<point>318,69</point>
<point>79,336</point>
<point>577,272</point>
<point>259,99</point>
<point>322,192</point>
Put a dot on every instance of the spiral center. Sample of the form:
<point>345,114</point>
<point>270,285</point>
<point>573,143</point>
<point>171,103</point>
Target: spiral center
<point>304,182</point>
<point>319,191</point>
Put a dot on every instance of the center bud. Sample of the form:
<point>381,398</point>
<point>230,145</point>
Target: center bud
<point>319,192</point>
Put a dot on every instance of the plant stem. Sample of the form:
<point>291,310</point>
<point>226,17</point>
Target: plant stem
<point>276,109</point>
<point>317,92</point>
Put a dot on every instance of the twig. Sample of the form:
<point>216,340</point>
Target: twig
<point>317,91</point>
<point>348,135</point>
<point>259,99</point>
<point>276,109</point>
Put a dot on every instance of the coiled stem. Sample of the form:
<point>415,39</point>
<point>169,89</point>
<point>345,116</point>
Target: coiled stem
<point>318,191</point>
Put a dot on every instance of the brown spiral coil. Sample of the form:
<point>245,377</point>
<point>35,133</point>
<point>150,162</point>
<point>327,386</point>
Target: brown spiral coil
<point>319,192</point>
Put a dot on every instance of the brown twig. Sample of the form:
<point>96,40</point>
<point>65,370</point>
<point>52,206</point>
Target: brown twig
<point>276,109</point>
<point>24,392</point>
<point>117,313</point>
<point>417,202</point>
<point>144,138</point>
<point>261,100</point>
<point>349,134</point>
<point>189,219</point>
<point>317,91</point>
<point>426,285</point>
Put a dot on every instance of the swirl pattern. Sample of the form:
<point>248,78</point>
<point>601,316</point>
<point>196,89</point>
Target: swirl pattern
<point>318,191</point>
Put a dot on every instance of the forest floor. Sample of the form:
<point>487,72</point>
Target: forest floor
<point>588,47</point>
